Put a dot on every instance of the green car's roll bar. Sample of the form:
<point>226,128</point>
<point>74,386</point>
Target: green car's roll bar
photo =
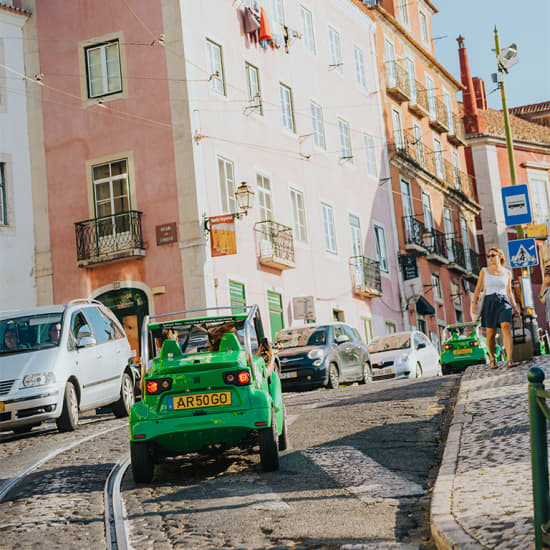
<point>252,322</point>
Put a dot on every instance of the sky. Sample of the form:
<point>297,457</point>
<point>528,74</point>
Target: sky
<point>527,24</point>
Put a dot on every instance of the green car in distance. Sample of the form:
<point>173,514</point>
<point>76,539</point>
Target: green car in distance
<point>464,346</point>
<point>205,389</point>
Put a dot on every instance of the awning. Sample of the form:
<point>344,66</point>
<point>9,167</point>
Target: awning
<point>423,307</point>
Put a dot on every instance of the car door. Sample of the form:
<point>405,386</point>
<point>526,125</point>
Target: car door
<point>356,351</point>
<point>423,353</point>
<point>345,353</point>
<point>106,373</point>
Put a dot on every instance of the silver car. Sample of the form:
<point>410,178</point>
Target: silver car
<point>403,355</point>
<point>58,360</point>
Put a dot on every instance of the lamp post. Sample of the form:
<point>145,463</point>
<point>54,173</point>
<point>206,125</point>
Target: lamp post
<point>244,196</point>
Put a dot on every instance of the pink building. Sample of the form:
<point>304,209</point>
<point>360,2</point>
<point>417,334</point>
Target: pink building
<point>155,111</point>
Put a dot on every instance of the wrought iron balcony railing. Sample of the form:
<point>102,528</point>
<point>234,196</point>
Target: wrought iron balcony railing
<point>438,115</point>
<point>458,136</point>
<point>457,256</point>
<point>475,262</point>
<point>414,232</point>
<point>109,238</point>
<point>397,81</point>
<point>274,244</point>
<point>419,99</point>
<point>365,276</point>
<point>436,244</point>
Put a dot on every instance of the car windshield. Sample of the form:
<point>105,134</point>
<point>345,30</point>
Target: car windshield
<point>32,332</point>
<point>469,331</point>
<point>307,336</point>
<point>387,343</point>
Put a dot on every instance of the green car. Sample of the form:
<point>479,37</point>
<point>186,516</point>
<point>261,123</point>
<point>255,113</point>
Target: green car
<point>206,388</point>
<point>465,346</point>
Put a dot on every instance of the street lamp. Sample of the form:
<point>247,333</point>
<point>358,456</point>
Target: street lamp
<point>244,196</point>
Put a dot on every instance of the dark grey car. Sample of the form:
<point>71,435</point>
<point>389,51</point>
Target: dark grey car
<point>322,355</point>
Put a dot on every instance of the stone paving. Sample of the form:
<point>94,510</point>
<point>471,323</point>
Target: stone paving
<point>483,495</point>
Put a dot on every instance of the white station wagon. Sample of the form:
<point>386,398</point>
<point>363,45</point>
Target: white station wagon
<point>58,360</point>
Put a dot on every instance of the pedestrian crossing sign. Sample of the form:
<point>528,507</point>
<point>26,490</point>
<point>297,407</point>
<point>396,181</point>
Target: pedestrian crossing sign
<point>523,253</point>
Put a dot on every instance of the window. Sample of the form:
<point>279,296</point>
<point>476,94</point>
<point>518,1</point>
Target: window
<point>298,215</point>
<point>287,108</point>
<point>329,233</point>
<point>438,155</point>
<point>449,233</point>
<point>430,90</point>
<point>79,328</point>
<point>253,85</point>
<point>419,144</point>
<point>381,251</point>
<point>427,210</point>
<point>436,286</point>
<point>338,316</point>
<point>539,198</point>
<point>215,67</point>
<point>275,308</point>
<point>237,296</point>
<point>449,111</point>
<point>397,129</point>
<point>345,140</point>
<point>278,12</point>
<point>424,33</point>
<point>456,168</point>
<point>390,327</point>
<point>264,197</point>
<point>335,51</point>
<point>404,12</point>
<point>102,330</point>
<point>103,69</point>
<point>318,125</point>
<point>307,30</point>
<point>421,325</point>
<point>456,294</point>
<point>370,155</point>
<point>411,77</point>
<point>226,174</point>
<point>389,59</point>
<point>367,329</point>
<point>360,67</point>
<point>465,241</point>
<point>112,197</point>
<point>356,241</point>
<point>3,206</point>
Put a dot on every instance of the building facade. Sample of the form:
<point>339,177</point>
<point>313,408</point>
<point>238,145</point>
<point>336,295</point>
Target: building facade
<point>154,113</point>
<point>434,199</point>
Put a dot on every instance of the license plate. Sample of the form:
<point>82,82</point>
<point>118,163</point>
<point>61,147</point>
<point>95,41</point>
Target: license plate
<point>199,400</point>
<point>1,406</point>
<point>292,374</point>
<point>462,351</point>
<point>387,371</point>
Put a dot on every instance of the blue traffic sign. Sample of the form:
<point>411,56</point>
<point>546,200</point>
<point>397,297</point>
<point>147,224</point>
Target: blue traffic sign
<point>517,209</point>
<point>523,253</point>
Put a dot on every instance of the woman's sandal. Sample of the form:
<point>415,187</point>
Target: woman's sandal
<point>511,364</point>
<point>492,364</point>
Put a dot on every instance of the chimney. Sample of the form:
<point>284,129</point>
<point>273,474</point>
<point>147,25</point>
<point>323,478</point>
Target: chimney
<point>481,94</point>
<point>472,122</point>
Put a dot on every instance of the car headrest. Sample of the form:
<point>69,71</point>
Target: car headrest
<point>172,347</point>
<point>230,342</point>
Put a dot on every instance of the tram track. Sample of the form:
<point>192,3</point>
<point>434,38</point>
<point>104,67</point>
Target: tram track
<point>115,520</point>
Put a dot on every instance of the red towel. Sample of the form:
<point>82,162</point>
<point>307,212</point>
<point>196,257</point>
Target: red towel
<point>265,33</point>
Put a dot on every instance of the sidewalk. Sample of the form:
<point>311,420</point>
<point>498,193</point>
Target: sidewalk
<point>483,494</point>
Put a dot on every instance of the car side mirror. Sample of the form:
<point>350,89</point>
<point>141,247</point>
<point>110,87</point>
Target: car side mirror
<point>86,342</point>
<point>341,339</point>
<point>421,345</point>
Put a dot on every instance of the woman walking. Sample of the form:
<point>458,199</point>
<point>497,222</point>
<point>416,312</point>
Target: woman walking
<point>499,303</point>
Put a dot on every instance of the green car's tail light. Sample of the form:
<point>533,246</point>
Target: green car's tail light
<point>448,346</point>
<point>237,378</point>
<point>475,343</point>
<point>158,385</point>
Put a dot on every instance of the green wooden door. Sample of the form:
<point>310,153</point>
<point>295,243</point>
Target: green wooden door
<point>237,296</point>
<point>275,305</point>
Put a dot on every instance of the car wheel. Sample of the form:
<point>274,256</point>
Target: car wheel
<point>269,446</point>
<point>367,374</point>
<point>283,438</point>
<point>127,397</point>
<point>446,369</point>
<point>68,421</point>
<point>418,371</point>
<point>143,465</point>
<point>333,377</point>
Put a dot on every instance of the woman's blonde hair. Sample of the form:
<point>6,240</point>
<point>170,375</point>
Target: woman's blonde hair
<point>500,254</point>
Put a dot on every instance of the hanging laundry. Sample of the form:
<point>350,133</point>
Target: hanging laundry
<point>265,33</point>
<point>251,23</point>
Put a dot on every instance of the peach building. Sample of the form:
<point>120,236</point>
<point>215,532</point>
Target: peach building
<point>434,197</point>
<point>155,111</point>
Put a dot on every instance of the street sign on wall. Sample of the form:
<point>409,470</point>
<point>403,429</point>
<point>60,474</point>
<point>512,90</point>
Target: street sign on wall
<point>515,199</point>
<point>304,308</point>
<point>523,253</point>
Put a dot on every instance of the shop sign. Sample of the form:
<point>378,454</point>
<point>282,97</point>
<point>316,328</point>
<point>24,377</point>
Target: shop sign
<point>409,266</point>
<point>223,239</point>
<point>536,230</point>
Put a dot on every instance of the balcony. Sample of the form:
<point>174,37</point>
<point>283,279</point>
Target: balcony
<point>474,265</point>
<point>436,244</point>
<point>457,136</point>
<point>438,116</point>
<point>365,276</point>
<point>415,232</point>
<point>397,81</point>
<point>109,239</point>
<point>457,256</point>
<point>418,103</point>
<point>274,245</point>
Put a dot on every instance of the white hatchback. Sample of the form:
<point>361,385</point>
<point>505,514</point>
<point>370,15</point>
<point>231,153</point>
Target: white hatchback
<point>403,355</point>
<point>59,360</point>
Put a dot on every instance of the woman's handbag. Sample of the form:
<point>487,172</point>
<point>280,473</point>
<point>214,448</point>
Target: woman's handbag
<point>475,308</point>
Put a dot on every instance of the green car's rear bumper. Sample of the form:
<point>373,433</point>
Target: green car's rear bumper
<point>460,362</point>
